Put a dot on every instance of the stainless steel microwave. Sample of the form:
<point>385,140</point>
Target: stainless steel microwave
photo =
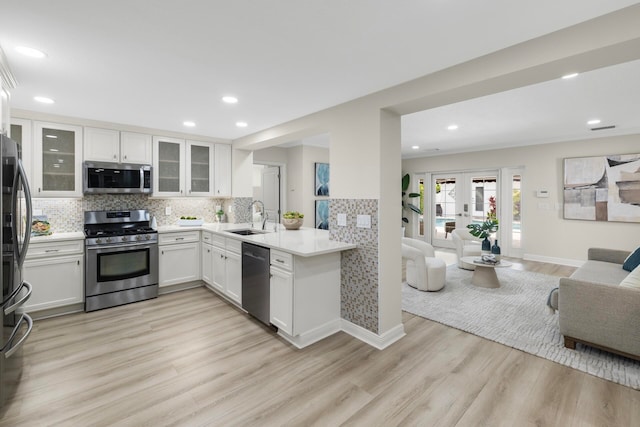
<point>119,178</point>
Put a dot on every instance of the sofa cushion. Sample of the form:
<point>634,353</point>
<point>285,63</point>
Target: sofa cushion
<point>601,272</point>
<point>632,280</point>
<point>632,261</point>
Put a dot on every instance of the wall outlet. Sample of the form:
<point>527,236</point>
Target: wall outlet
<point>342,220</point>
<point>167,210</point>
<point>363,221</point>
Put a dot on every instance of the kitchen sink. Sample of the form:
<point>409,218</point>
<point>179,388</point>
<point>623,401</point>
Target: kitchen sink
<point>246,231</point>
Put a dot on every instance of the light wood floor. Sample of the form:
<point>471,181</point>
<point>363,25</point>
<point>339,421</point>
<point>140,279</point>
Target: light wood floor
<point>190,359</point>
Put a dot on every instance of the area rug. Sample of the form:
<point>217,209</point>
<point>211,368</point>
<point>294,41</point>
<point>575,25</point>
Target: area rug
<point>515,315</point>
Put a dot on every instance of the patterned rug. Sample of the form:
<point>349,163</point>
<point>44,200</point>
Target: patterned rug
<point>515,315</point>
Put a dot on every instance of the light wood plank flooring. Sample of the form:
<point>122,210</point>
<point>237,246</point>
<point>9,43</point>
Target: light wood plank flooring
<point>190,359</point>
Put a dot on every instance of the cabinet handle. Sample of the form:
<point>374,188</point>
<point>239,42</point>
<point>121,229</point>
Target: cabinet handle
<point>162,252</point>
<point>208,251</point>
<point>52,250</point>
<point>179,238</point>
<point>78,262</point>
<point>221,256</point>
<point>38,189</point>
<point>114,156</point>
<point>280,260</point>
<point>125,157</point>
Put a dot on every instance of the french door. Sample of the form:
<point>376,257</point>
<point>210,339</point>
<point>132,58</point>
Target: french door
<point>460,199</point>
<point>455,200</point>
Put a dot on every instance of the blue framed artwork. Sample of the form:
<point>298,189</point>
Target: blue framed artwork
<point>322,214</point>
<point>322,179</point>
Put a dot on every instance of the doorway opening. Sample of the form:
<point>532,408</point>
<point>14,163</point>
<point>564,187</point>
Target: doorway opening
<point>267,185</point>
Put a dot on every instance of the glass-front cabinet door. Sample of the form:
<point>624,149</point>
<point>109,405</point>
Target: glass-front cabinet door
<point>20,132</point>
<point>200,168</point>
<point>168,164</point>
<point>57,160</point>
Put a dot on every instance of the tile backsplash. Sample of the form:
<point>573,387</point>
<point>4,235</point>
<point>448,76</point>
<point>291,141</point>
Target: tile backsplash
<point>67,215</point>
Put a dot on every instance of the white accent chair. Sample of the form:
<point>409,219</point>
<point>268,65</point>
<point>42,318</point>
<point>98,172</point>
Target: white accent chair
<point>466,245</point>
<point>425,272</point>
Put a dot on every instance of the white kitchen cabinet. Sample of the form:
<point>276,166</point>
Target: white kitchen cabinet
<point>227,268</point>
<point>179,257</point>
<point>222,170</point>
<point>101,145</point>
<point>135,148</point>
<point>113,146</point>
<point>169,167</point>
<point>56,272</point>
<point>281,299</point>
<point>304,296</point>
<point>57,160</point>
<point>199,168</point>
<point>20,132</point>
<point>206,261</point>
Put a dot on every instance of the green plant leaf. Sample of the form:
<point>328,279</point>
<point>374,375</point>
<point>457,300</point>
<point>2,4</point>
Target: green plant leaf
<point>405,183</point>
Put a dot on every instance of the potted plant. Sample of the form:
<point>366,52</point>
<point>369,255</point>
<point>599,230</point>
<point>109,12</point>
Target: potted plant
<point>483,230</point>
<point>405,202</point>
<point>292,220</point>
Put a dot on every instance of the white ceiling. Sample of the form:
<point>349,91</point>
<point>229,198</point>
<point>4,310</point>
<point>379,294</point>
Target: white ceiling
<point>157,63</point>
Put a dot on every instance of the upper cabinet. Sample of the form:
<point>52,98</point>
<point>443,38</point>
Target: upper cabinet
<point>168,167</point>
<point>190,168</point>
<point>20,132</point>
<point>222,170</point>
<point>199,168</point>
<point>107,145</point>
<point>57,160</point>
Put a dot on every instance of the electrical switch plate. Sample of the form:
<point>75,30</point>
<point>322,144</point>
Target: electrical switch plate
<point>363,221</point>
<point>167,210</point>
<point>37,212</point>
<point>342,220</point>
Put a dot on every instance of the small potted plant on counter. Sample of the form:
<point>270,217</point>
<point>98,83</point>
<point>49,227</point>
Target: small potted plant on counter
<point>292,220</point>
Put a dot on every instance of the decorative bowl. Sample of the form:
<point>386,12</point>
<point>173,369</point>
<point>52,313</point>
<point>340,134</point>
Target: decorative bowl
<point>292,223</point>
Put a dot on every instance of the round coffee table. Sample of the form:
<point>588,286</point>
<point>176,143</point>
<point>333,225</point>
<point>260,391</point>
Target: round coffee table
<point>485,275</point>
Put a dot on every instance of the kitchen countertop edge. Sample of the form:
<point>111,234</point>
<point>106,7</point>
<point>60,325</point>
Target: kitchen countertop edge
<point>58,237</point>
<point>305,242</point>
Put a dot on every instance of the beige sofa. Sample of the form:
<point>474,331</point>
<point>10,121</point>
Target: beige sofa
<point>594,310</point>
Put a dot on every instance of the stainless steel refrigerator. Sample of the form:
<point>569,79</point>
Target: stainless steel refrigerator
<point>15,233</point>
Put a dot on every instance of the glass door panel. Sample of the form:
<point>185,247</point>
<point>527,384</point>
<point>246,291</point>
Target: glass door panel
<point>516,221</point>
<point>168,167</point>
<point>58,159</point>
<point>200,168</point>
<point>445,209</point>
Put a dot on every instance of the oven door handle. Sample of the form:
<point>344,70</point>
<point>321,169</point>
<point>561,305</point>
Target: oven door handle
<point>8,348</point>
<point>12,308</point>
<point>124,245</point>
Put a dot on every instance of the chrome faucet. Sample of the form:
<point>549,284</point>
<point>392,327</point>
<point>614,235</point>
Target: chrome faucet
<point>262,212</point>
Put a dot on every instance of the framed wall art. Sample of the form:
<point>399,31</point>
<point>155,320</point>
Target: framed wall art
<point>322,179</point>
<point>602,188</point>
<point>322,214</point>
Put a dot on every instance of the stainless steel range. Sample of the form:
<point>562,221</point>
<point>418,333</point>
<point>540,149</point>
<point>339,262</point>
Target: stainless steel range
<point>121,257</point>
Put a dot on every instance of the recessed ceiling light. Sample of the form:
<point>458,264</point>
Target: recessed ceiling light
<point>593,122</point>
<point>189,124</point>
<point>44,99</point>
<point>452,127</point>
<point>570,76</point>
<point>230,99</point>
<point>242,124</point>
<point>415,147</point>
<point>30,52</point>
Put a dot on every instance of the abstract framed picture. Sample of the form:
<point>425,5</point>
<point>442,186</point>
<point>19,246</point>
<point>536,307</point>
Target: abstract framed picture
<point>322,214</point>
<point>322,179</point>
<point>602,188</point>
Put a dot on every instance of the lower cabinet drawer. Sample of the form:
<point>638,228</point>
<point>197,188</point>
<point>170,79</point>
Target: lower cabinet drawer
<point>40,250</point>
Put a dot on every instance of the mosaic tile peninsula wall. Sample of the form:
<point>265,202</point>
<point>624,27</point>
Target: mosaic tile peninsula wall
<point>359,279</point>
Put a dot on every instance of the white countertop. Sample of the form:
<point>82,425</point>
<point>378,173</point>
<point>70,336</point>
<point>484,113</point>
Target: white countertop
<point>58,237</point>
<point>304,242</point>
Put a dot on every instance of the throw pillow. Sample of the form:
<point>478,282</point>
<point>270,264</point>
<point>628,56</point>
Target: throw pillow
<point>632,261</point>
<point>632,280</point>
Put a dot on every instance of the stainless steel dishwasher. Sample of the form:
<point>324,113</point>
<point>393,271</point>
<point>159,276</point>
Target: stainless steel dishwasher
<point>255,281</point>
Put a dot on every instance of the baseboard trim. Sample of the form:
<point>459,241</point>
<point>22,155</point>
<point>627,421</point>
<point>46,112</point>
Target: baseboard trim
<point>378,341</point>
<point>180,287</point>
<point>314,335</point>
<point>553,260</point>
<point>55,311</point>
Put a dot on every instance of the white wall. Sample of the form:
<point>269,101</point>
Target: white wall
<point>546,234</point>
